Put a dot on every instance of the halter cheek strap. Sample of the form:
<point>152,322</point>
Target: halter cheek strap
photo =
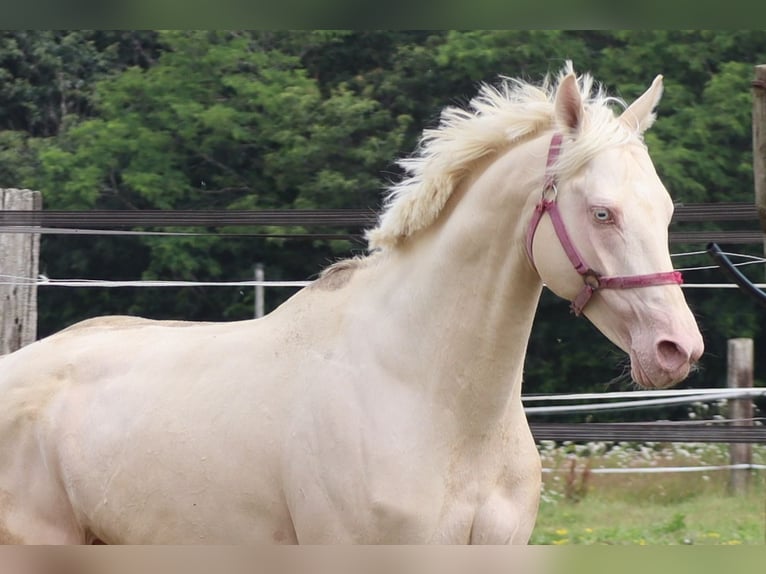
<point>592,280</point>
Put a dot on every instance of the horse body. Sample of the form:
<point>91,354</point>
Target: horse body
<point>242,441</point>
<point>380,404</point>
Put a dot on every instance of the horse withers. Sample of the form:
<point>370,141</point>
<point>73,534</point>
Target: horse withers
<point>382,403</point>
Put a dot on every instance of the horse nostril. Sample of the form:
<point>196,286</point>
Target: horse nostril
<point>671,355</point>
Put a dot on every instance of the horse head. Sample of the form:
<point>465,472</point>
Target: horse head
<point>604,245</point>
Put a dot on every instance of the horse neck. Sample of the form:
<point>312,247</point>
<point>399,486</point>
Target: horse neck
<point>458,300</point>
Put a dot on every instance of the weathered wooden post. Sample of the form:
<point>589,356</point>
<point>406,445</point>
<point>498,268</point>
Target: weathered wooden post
<point>740,376</point>
<point>759,145</point>
<point>19,258</point>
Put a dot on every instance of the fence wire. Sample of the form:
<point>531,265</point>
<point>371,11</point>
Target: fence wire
<point>43,281</point>
<point>662,469</point>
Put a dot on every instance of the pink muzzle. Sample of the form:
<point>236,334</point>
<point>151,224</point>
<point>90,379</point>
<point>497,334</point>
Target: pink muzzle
<point>592,280</point>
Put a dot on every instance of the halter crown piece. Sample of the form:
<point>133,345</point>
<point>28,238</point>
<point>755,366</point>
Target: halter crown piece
<point>592,280</point>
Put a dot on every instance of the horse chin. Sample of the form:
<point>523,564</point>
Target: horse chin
<point>652,376</point>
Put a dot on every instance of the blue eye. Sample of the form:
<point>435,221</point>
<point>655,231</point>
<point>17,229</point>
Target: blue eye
<point>602,215</point>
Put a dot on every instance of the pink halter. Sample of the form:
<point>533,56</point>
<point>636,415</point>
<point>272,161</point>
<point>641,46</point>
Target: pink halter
<point>593,280</point>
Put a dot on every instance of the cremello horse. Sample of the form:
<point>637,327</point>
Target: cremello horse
<point>381,404</point>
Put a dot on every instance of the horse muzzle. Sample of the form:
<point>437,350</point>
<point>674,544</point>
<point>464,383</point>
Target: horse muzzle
<point>667,361</point>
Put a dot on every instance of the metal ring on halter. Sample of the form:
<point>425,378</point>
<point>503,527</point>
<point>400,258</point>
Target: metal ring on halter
<point>554,191</point>
<point>592,279</point>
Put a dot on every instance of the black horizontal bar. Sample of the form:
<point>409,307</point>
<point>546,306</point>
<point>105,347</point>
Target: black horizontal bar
<point>352,219</point>
<point>654,432</point>
<point>731,211</point>
<point>349,217</point>
<point>705,237</point>
<point>189,218</point>
<point>690,237</point>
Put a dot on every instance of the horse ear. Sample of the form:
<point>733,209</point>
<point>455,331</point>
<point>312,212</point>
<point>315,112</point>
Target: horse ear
<point>640,114</point>
<point>568,103</point>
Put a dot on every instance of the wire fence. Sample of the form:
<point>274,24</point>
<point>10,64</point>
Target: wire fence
<point>662,469</point>
<point>104,222</point>
<point>695,396</point>
<point>718,430</point>
<point>43,281</point>
<point>88,223</point>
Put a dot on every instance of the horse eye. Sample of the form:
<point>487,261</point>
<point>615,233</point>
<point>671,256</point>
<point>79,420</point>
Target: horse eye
<point>602,215</point>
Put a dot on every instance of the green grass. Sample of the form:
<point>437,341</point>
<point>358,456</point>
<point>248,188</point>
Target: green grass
<point>579,507</point>
<point>604,519</point>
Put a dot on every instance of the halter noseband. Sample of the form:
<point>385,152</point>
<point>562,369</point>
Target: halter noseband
<point>593,280</point>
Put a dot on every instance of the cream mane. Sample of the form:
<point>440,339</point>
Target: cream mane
<point>498,117</point>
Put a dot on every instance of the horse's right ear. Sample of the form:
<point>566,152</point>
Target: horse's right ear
<point>640,114</point>
<point>568,104</point>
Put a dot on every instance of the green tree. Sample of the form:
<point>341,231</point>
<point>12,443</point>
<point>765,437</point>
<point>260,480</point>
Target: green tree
<point>218,122</point>
<point>47,79</point>
<point>314,119</point>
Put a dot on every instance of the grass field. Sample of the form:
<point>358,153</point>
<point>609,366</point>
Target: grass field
<point>581,507</point>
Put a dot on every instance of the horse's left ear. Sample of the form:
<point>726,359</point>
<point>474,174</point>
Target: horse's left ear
<point>640,114</point>
<point>568,104</point>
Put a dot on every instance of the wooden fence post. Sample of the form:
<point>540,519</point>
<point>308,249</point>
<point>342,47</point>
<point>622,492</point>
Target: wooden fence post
<point>260,275</point>
<point>759,145</point>
<point>19,257</point>
<point>740,376</point>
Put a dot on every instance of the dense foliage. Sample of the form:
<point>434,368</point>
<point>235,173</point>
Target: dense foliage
<point>315,119</point>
